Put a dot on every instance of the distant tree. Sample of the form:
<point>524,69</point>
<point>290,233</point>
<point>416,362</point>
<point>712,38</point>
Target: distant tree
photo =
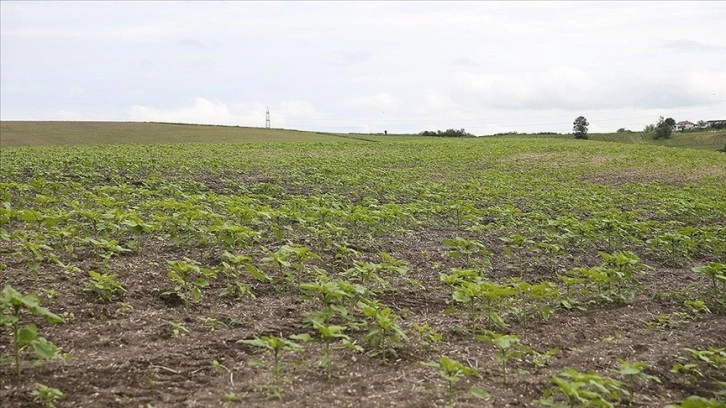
<point>447,133</point>
<point>649,128</point>
<point>664,128</point>
<point>701,124</point>
<point>623,130</point>
<point>579,127</point>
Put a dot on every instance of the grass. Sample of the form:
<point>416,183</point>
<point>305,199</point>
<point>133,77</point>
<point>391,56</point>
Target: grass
<point>704,140</point>
<point>701,140</point>
<point>32,133</point>
<point>35,133</point>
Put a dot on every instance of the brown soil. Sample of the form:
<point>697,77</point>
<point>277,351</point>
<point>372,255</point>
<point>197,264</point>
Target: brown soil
<point>132,360</point>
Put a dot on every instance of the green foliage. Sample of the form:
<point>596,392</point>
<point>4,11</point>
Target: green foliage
<point>189,278</point>
<point>276,346</point>
<point>695,401</point>
<point>552,203</point>
<point>664,128</point>
<point>177,329</point>
<point>452,371</point>
<point>579,127</point>
<point>579,389</point>
<point>104,286</point>
<point>238,291</point>
<point>384,334</point>
<point>427,336</point>
<point>46,396</point>
<point>331,333</point>
<point>447,133</point>
<point>634,372</point>
<point>12,304</point>
<point>508,346</point>
<point>467,250</point>
<point>716,294</point>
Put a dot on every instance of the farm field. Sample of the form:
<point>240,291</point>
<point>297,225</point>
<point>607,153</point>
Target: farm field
<point>55,133</point>
<point>409,272</point>
<point>711,140</point>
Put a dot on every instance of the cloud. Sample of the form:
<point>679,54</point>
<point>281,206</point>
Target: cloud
<point>692,45</point>
<point>192,43</point>
<point>351,57</point>
<point>379,101</point>
<point>558,87</point>
<point>297,109</point>
<point>215,112</point>
<point>465,61</point>
<point>203,111</point>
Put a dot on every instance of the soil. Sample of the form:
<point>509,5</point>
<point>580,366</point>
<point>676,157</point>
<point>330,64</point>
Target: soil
<point>133,359</point>
<point>125,353</point>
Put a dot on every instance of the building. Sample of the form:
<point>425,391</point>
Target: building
<point>684,125</point>
<point>718,124</point>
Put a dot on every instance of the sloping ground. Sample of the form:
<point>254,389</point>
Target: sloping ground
<point>524,223</point>
<point>32,133</point>
<point>706,140</point>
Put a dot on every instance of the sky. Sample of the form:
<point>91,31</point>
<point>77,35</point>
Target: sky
<point>365,67</point>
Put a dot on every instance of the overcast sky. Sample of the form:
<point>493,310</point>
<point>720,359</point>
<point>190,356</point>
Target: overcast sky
<point>408,66</point>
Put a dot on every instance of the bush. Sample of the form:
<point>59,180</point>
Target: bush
<point>447,133</point>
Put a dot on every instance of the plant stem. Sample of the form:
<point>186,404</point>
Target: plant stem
<point>16,334</point>
<point>276,368</point>
<point>328,361</point>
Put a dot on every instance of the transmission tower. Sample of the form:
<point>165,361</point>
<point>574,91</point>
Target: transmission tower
<point>267,118</point>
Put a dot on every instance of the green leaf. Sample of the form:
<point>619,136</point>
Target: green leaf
<point>258,274</point>
<point>27,334</point>
<point>196,293</point>
<point>257,342</point>
<point>480,393</point>
<point>303,337</point>
<point>44,349</point>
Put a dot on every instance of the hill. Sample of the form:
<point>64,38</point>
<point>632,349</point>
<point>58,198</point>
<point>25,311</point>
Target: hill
<point>702,140</point>
<point>36,133</point>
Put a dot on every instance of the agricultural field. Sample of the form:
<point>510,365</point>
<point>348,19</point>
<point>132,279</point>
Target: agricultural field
<point>55,133</point>
<point>407,272</point>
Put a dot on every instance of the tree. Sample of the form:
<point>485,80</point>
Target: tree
<point>579,127</point>
<point>664,128</point>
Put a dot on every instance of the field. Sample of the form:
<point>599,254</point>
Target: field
<point>31,133</point>
<point>712,140</point>
<point>332,271</point>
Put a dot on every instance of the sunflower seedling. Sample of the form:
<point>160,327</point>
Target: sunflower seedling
<point>104,286</point>
<point>633,372</point>
<point>583,389</point>
<point>508,347</point>
<point>12,303</point>
<point>385,334</point>
<point>46,396</point>
<point>329,334</point>
<point>277,345</point>
<point>452,371</point>
<point>177,329</point>
<point>189,278</point>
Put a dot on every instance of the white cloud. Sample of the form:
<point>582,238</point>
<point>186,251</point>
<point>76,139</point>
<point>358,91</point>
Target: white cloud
<point>485,66</point>
<point>203,111</point>
<point>215,112</point>
<point>558,87</point>
<point>378,101</point>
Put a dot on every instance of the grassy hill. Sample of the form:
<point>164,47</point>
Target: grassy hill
<point>704,140</point>
<point>32,133</point>
<point>37,133</point>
